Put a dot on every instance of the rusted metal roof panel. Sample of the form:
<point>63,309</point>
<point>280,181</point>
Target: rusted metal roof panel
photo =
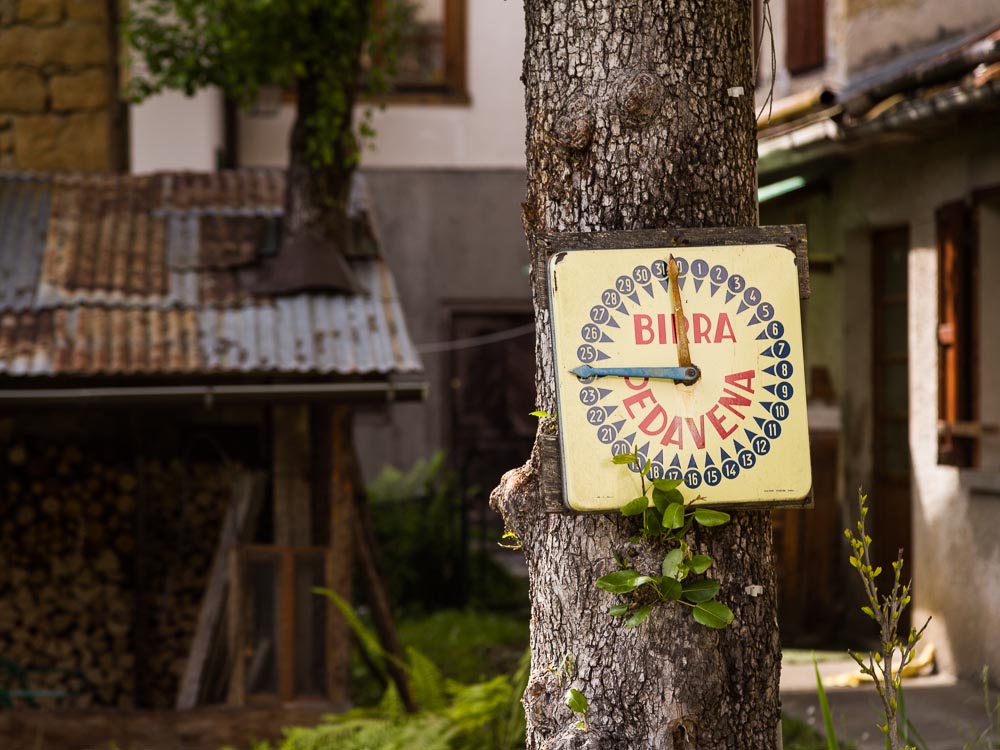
<point>122,275</point>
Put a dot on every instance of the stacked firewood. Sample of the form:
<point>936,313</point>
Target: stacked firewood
<point>103,561</point>
<point>182,531</point>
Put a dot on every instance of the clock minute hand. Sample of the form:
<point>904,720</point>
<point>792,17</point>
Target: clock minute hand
<point>687,374</point>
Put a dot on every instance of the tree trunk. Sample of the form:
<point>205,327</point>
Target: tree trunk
<point>631,124</point>
<point>323,154</point>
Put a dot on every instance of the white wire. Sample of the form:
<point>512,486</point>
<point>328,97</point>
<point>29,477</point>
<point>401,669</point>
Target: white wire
<point>474,341</point>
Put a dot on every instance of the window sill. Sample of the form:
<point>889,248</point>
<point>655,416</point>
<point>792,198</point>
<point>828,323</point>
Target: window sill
<point>432,97</point>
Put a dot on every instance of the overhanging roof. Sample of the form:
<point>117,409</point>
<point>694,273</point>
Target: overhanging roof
<point>147,276</point>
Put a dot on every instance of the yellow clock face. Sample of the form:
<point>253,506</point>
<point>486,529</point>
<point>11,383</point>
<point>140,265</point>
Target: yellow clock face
<point>739,433</point>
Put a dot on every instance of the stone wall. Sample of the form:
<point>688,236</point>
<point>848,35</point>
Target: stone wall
<point>56,86</point>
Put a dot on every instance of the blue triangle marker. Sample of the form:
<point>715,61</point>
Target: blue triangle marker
<point>767,405</point>
<point>659,458</point>
<point>725,456</point>
<point>738,447</point>
<point>618,425</point>
<point>680,281</point>
<point>676,462</point>
<point>770,370</point>
<point>604,393</point>
<point>762,336</point>
<point>767,352</point>
<point>629,439</point>
<point>750,435</point>
<point>760,422</point>
<point>666,285</point>
<point>715,288</point>
<point>644,450</point>
<point>634,297</point>
<point>729,297</point>
<point>649,289</point>
<point>743,306</point>
<point>612,322</point>
<point>606,339</point>
<point>753,321</point>
<point>622,309</point>
<point>708,460</point>
<point>601,355</point>
<point>692,463</point>
<point>609,410</point>
<point>697,284</point>
<point>769,389</point>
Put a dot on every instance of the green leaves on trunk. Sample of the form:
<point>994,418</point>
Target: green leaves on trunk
<point>667,520</point>
<point>670,586</point>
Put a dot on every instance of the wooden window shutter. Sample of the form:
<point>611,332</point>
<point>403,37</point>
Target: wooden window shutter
<point>805,35</point>
<point>955,334</point>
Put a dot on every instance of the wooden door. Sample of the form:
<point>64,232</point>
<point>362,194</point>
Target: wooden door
<point>889,496</point>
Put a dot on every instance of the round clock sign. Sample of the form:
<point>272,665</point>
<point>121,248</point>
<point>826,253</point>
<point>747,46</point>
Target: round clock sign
<point>689,358</point>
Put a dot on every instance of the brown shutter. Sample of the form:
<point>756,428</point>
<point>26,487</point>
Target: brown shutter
<point>805,35</point>
<point>954,334</point>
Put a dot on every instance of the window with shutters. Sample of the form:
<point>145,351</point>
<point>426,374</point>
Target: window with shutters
<point>805,35</point>
<point>956,335</point>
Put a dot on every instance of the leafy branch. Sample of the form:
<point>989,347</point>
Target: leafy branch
<point>887,612</point>
<point>667,520</point>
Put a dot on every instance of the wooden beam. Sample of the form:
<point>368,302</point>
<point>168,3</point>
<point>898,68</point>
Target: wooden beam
<point>341,572</point>
<point>290,452</point>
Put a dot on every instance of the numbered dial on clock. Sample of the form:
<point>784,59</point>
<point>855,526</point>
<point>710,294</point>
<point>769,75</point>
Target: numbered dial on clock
<point>737,435</point>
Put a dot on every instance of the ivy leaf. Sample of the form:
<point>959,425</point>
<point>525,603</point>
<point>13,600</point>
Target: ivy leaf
<point>624,458</point>
<point>699,563</point>
<point>666,485</point>
<point>618,610</point>
<point>697,592</point>
<point>651,522</point>
<point>640,614</point>
<point>576,701</point>
<point>713,614</point>
<point>707,517</point>
<point>635,506</point>
<point>670,588</point>
<point>622,581</point>
<point>672,563</point>
<point>673,516</point>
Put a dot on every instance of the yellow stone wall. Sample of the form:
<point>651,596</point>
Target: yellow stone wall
<point>56,86</point>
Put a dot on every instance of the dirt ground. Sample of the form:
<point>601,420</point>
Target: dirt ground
<point>198,729</point>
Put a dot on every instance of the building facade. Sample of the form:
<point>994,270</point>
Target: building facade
<point>887,145</point>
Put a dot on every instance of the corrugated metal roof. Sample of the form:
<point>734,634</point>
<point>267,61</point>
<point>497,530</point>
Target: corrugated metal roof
<point>124,275</point>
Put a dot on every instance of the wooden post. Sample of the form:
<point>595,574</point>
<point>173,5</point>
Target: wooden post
<point>341,574</point>
<point>292,508</point>
<point>237,528</point>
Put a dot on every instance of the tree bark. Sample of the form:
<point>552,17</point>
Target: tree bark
<point>631,124</point>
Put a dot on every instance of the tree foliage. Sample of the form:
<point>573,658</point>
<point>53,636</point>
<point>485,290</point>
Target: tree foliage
<point>243,45</point>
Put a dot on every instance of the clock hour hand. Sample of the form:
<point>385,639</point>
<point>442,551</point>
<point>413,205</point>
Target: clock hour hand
<point>687,374</point>
<point>683,351</point>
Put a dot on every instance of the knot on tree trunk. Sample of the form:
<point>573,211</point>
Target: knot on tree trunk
<point>683,734</point>
<point>573,128</point>
<point>512,495</point>
<point>640,96</point>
